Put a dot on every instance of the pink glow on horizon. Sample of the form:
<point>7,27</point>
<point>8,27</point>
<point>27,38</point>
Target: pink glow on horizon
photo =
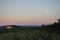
<point>30,21</point>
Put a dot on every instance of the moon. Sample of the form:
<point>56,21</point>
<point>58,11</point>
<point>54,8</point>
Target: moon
<point>46,11</point>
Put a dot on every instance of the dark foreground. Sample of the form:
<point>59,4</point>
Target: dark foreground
<point>44,32</point>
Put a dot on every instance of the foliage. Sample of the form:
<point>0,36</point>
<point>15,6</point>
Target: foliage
<point>45,32</point>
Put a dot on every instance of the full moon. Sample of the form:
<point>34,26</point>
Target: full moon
<point>46,10</point>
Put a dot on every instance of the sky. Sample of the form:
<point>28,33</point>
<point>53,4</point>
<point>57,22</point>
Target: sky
<point>29,12</point>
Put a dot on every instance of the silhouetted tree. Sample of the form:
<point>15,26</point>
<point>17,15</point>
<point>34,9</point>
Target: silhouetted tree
<point>57,28</point>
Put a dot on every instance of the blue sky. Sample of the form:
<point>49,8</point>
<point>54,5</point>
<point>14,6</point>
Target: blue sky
<point>29,12</point>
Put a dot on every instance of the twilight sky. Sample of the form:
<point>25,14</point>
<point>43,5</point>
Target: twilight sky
<point>29,12</point>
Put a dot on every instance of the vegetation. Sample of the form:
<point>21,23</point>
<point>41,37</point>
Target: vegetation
<point>45,32</point>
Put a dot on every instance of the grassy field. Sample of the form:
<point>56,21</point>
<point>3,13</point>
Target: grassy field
<point>26,34</point>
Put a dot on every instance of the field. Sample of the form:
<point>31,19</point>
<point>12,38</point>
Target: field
<point>18,33</point>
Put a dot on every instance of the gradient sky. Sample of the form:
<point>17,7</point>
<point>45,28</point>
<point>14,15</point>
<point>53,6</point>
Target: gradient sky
<point>29,12</point>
